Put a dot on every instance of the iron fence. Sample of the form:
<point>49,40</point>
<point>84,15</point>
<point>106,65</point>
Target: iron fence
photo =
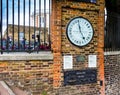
<point>24,25</point>
<point>112,32</point>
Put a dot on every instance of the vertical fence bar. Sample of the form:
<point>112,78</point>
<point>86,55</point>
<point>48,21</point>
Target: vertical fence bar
<point>45,22</point>
<point>34,21</point>
<point>18,24</point>
<point>49,23</point>
<point>39,22</point>
<point>107,36</point>
<point>1,24</point>
<point>13,22</point>
<point>29,21</point>
<point>114,36</point>
<point>8,38</point>
<point>107,43</point>
<point>118,33</point>
<point>24,22</point>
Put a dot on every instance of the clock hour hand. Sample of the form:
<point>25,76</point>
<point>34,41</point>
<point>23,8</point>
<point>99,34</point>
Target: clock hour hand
<point>80,30</point>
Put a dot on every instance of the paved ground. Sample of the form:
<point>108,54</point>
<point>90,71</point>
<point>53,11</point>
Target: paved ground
<point>6,90</point>
<point>3,91</point>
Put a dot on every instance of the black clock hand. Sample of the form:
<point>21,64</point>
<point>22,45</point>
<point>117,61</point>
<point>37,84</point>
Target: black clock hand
<point>80,30</point>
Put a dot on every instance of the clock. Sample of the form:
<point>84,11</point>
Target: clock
<point>79,31</point>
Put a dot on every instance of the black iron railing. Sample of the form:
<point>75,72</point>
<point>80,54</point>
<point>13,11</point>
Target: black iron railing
<point>24,25</point>
<point>112,32</point>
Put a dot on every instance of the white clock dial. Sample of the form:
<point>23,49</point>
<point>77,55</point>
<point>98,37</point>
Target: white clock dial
<point>79,31</point>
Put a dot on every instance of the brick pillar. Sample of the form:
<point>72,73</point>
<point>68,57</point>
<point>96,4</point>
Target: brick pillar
<point>101,47</point>
<point>57,14</point>
<point>56,42</point>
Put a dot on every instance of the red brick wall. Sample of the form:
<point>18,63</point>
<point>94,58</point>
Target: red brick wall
<point>34,77</point>
<point>63,11</point>
<point>38,76</point>
<point>112,74</point>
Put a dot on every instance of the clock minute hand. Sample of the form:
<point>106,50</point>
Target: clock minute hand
<point>80,30</point>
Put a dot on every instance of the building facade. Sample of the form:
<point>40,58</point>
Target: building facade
<point>24,31</point>
<point>42,17</point>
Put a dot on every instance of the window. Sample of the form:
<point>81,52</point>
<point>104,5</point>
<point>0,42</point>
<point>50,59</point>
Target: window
<point>24,25</point>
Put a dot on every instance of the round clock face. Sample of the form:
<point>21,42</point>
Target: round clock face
<point>79,31</point>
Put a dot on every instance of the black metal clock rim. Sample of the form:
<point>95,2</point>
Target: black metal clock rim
<point>67,31</point>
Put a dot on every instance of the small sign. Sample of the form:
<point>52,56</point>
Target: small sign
<point>92,1</point>
<point>92,61</point>
<point>68,62</point>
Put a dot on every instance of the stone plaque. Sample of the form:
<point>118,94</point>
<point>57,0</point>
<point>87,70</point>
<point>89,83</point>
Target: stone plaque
<point>68,62</point>
<point>77,77</point>
<point>92,61</point>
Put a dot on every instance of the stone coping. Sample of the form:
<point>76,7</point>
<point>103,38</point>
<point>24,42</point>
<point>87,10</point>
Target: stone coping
<point>112,53</point>
<point>46,55</point>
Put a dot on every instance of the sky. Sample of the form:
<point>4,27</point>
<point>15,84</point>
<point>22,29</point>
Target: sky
<point>10,15</point>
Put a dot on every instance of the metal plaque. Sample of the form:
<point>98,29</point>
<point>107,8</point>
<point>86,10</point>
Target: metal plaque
<point>80,58</point>
<point>77,77</point>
